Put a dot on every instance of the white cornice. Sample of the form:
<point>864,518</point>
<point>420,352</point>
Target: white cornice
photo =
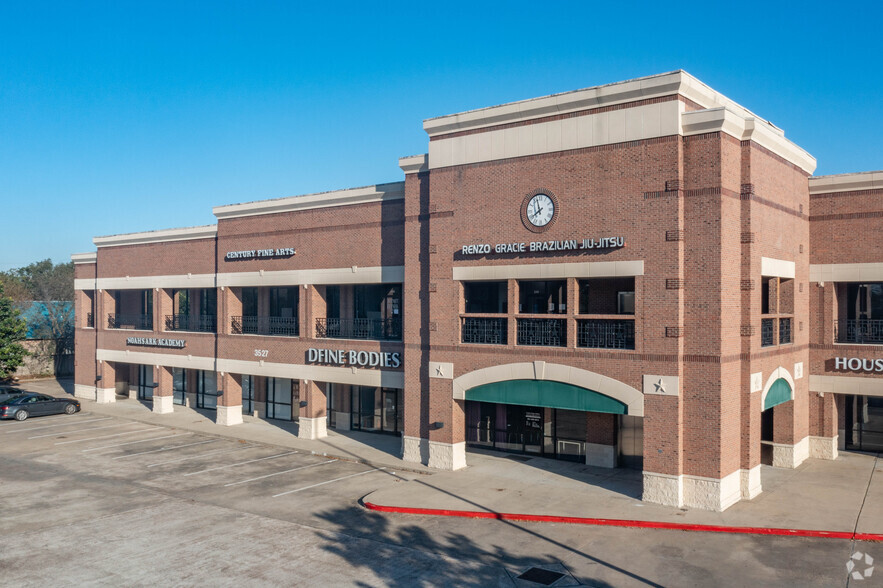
<point>161,236</point>
<point>414,163</point>
<point>725,120</point>
<point>870,180</point>
<point>367,194</point>
<point>655,86</point>
<point>78,258</point>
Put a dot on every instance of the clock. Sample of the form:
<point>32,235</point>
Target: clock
<point>538,210</point>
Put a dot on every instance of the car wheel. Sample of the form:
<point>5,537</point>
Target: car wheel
<point>21,415</point>
<point>70,409</point>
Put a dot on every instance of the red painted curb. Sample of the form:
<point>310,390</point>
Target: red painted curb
<point>503,516</point>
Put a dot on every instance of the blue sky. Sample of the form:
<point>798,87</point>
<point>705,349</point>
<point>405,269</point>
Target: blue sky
<point>118,117</point>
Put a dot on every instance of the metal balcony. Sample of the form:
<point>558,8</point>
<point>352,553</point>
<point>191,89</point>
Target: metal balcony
<point>485,331</point>
<point>141,322</point>
<point>186,322</point>
<point>605,333</point>
<point>276,326</point>
<point>545,332</point>
<point>359,328</point>
<point>861,331</point>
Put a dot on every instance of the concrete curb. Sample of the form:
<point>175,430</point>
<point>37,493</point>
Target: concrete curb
<point>501,516</point>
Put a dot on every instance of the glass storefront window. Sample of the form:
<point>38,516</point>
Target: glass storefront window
<point>247,394</point>
<point>542,297</point>
<point>485,297</point>
<point>280,392</point>
<point>206,390</point>
<point>179,385</point>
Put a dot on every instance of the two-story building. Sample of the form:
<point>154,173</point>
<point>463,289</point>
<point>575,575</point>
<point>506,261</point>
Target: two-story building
<point>642,275</point>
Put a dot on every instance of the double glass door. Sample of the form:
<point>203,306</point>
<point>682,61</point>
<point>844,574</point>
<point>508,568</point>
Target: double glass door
<point>280,393</point>
<point>206,390</point>
<point>864,423</point>
<point>145,382</point>
<point>377,409</point>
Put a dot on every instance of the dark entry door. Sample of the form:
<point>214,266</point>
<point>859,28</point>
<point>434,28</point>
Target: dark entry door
<point>864,423</point>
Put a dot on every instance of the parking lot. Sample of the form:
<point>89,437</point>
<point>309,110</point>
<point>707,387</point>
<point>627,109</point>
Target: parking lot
<point>98,499</point>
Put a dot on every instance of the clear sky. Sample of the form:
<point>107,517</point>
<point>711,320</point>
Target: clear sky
<point>119,116</point>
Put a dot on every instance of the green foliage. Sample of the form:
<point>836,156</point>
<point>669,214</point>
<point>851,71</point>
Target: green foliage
<point>12,330</point>
<point>51,284</point>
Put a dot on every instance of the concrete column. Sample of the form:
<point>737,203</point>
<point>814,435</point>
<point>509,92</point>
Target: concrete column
<point>163,394</point>
<point>230,400</point>
<point>312,421</point>
<point>106,391</point>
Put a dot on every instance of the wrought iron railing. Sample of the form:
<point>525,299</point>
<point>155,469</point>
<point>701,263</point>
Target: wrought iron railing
<point>766,332</point>
<point>205,323</point>
<point>359,328</point>
<point>605,333</point>
<point>277,326</point>
<point>864,331</point>
<point>784,331</point>
<point>546,332</point>
<point>488,331</point>
<point>90,320</point>
<point>141,322</point>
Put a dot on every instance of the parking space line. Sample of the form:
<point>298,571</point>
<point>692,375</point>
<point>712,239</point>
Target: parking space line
<point>230,465</point>
<point>108,436</point>
<point>134,442</point>
<point>53,426</point>
<point>218,452</point>
<point>166,449</point>
<point>327,482</point>
<point>54,417</point>
<point>78,431</point>
<point>312,465</point>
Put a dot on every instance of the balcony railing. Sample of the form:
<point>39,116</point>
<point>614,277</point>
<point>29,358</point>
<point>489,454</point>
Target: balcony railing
<point>605,333</point>
<point>359,328</point>
<point>90,320</point>
<point>487,331</point>
<point>277,326</point>
<point>862,331</point>
<point>142,322</point>
<point>186,322</point>
<point>784,331</point>
<point>766,332</point>
<point>546,332</point>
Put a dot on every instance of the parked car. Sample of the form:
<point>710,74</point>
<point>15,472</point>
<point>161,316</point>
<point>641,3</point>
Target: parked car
<point>30,404</point>
<point>7,392</point>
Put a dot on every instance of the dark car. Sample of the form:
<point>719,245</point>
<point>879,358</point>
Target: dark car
<point>29,404</point>
<point>7,392</point>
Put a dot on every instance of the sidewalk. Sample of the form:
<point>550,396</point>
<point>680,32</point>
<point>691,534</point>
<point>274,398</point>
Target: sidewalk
<point>842,496</point>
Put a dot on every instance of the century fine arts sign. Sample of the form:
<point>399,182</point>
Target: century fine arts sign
<point>354,358</point>
<point>154,342</point>
<point>256,253</point>
<point>544,246</point>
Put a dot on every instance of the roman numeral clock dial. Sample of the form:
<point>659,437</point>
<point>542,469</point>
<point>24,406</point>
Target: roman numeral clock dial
<point>538,210</point>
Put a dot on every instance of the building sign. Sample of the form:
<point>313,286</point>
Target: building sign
<point>544,246</point>
<point>260,253</point>
<point>154,342</point>
<point>354,358</point>
<point>855,364</point>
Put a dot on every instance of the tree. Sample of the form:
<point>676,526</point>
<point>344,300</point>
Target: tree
<point>52,287</point>
<point>12,330</point>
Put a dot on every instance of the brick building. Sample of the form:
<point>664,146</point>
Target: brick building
<point>642,274</point>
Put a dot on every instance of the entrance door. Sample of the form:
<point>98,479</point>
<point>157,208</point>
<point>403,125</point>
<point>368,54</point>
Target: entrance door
<point>864,423</point>
<point>179,385</point>
<point>145,382</point>
<point>206,390</point>
<point>248,395</point>
<point>390,411</point>
<point>279,392</point>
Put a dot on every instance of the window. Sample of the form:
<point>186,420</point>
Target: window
<point>607,296</point>
<point>485,297</point>
<point>548,297</point>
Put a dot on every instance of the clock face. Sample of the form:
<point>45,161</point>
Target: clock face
<point>540,210</point>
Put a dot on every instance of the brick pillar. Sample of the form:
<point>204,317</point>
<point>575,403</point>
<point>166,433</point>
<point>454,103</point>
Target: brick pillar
<point>230,399</point>
<point>164,306</point>
<point>229,305</point>
<point>823,425</point>
<point>601,439</point>
<point>312,422</point>
<point>572,310</point>
<point>163,394</point>
<point>512,289</point>
<point>106,385</point>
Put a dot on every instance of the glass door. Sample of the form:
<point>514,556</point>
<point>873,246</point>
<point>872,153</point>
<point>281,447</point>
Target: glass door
<point>206,390</point>
<point>390,411</point>
<point>279,392</point>
<point>247,394</point>
<point>145,382</point>
<point>179,385</point>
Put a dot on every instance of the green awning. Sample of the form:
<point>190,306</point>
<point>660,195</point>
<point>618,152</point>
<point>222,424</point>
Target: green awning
<point>779,392</point>
<point>546,393</point>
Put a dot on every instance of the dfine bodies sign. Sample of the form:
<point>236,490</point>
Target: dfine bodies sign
<point>856,364</point>
<point>354,358</point>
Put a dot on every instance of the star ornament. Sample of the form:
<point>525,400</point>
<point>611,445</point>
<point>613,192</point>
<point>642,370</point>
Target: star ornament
<point>439,371</point>
<point>660,386</point>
